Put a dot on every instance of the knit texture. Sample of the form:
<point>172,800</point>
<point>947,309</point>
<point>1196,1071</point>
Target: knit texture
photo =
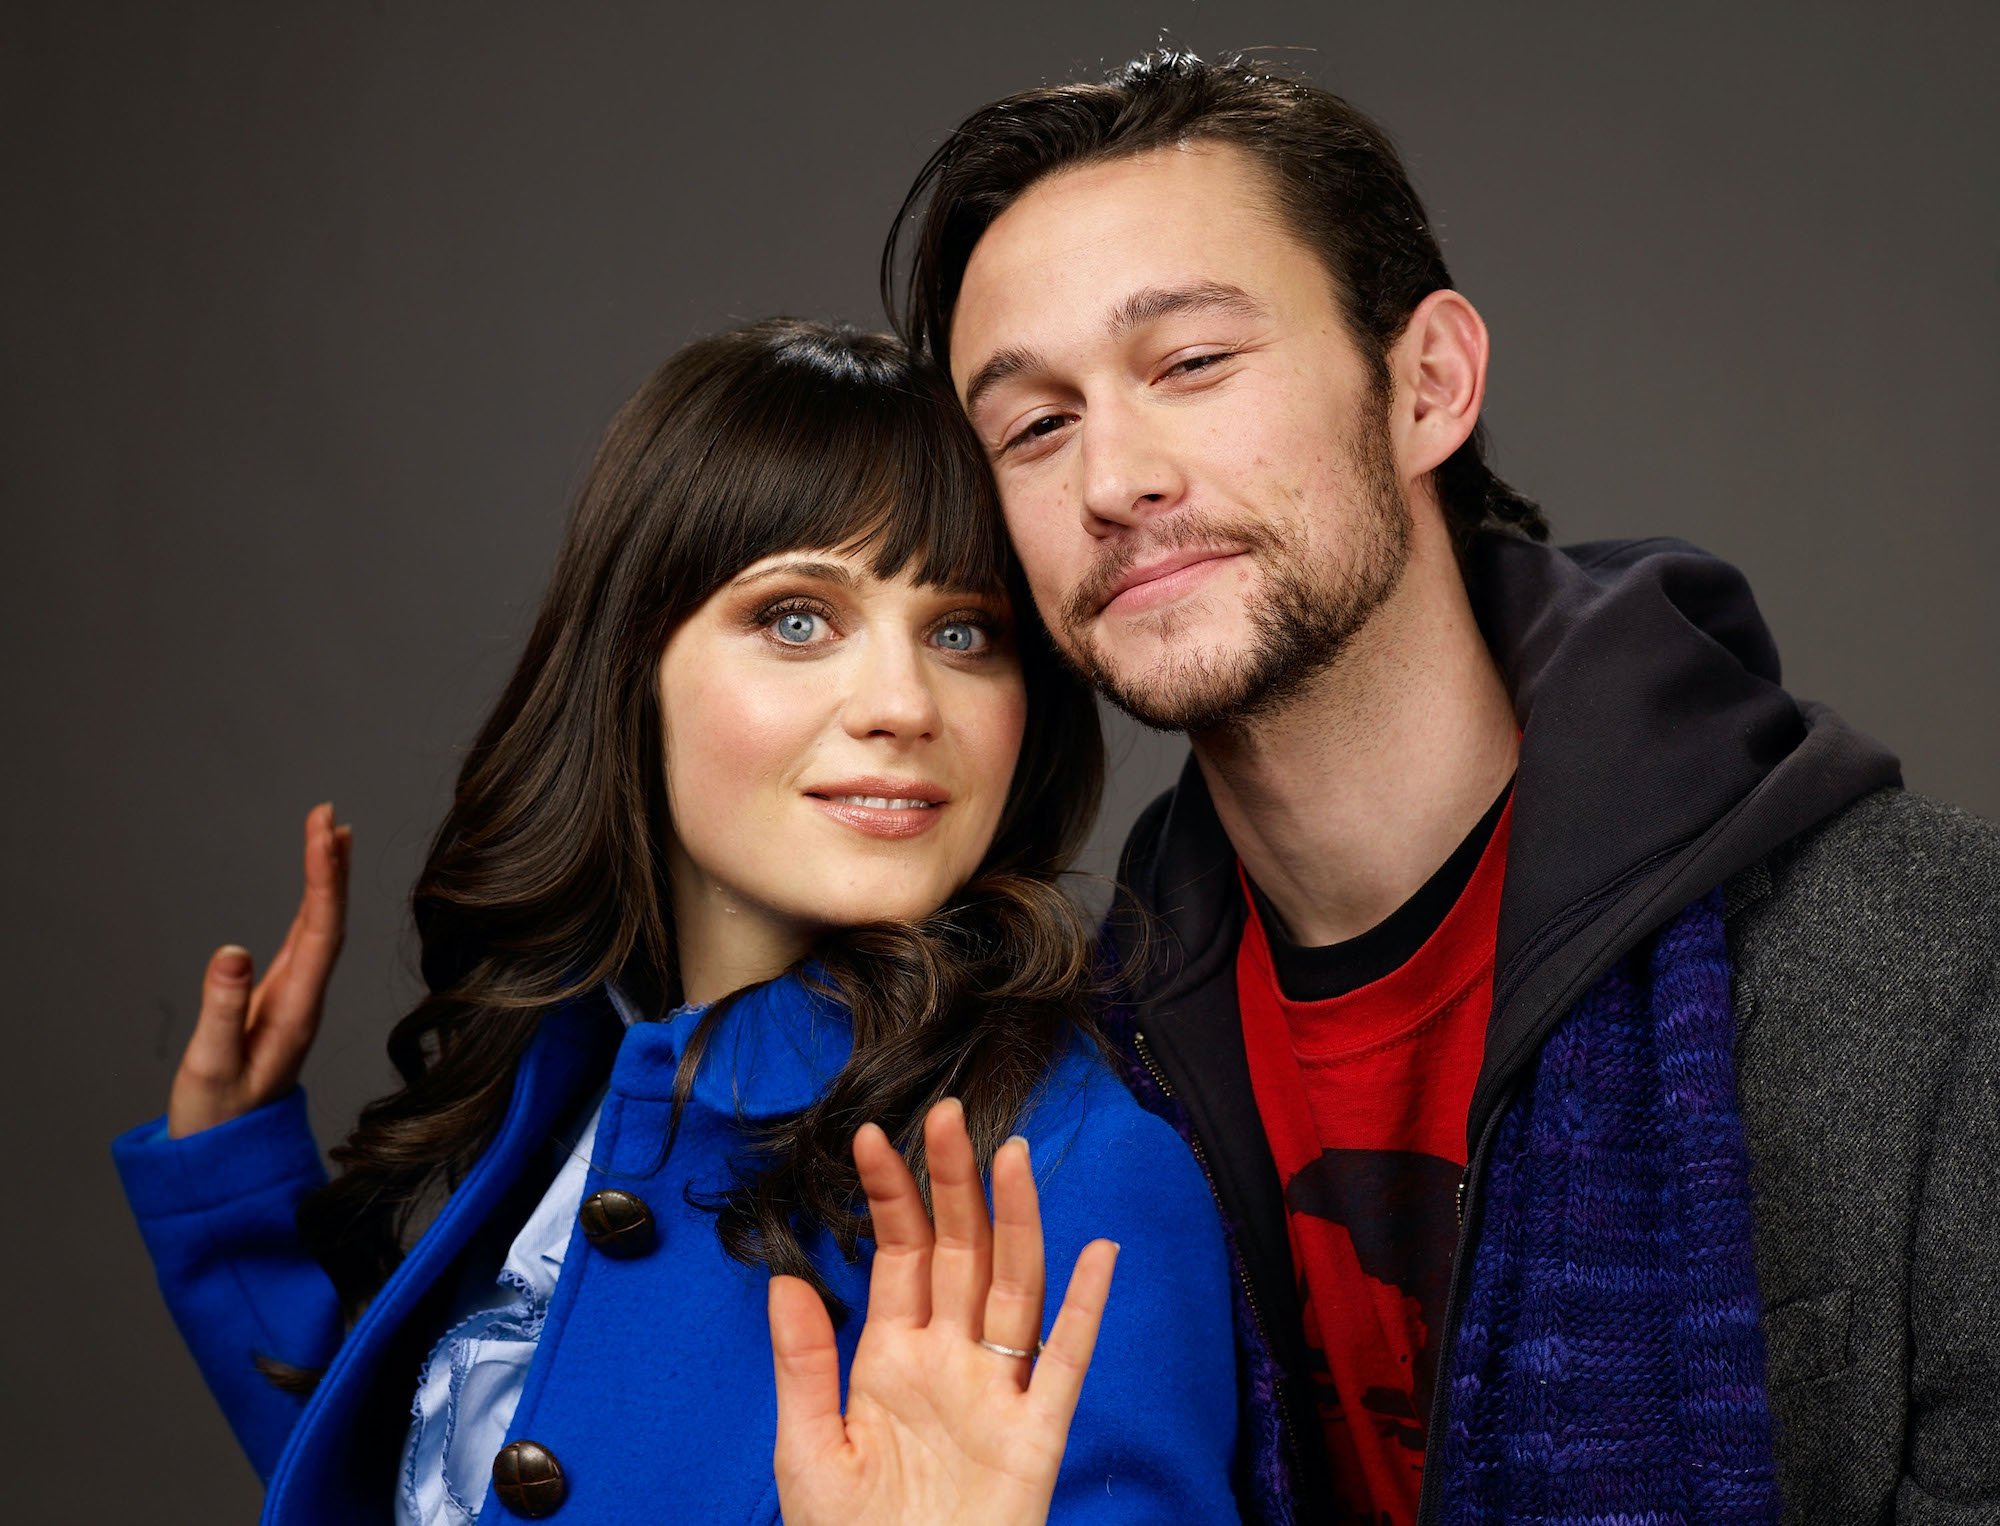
<point>1609,1362</point>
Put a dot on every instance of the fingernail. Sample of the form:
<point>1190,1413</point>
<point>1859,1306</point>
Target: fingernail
<point>1019,1140</point>
<point>232,962</point>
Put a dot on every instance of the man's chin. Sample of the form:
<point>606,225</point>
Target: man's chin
<point>1146,649</point>
<point>1190,690</point>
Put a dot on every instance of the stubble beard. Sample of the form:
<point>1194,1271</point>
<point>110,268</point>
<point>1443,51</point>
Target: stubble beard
<point>1302,616</point>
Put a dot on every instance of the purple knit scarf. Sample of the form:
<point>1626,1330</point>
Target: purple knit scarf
<point>1609,1364</point>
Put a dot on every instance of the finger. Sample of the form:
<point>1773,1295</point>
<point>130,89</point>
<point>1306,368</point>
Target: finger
<point>1058,1376</point>
<point>807,1366</point>
<point>961,1259</point>
<point>1014,1298</point>
<point>316,847</point>
<point>323,909</point>
<point>294,994</point>
<point>274,972</point>
<point>899,1283</point>
<point>214,1055</point>
<point>279,960</point>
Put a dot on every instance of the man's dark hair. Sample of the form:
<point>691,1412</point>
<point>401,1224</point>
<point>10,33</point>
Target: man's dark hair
<point>1338,178</point>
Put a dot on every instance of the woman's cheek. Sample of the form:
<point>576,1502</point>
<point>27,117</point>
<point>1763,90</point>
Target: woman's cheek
<point>996,729</point>
<point>756,717</point>
<point>737,740</point>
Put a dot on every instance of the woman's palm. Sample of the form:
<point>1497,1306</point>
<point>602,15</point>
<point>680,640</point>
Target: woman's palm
<point>939,1428</point>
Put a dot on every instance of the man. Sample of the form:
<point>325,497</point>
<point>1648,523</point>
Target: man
<point>1591,1047</point>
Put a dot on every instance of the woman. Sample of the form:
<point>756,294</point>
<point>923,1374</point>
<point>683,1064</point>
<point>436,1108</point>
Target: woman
<point>759,846</point>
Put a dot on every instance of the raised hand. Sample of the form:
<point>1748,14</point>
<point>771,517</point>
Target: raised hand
<point>249,1041</point>
<point>940,1426</point>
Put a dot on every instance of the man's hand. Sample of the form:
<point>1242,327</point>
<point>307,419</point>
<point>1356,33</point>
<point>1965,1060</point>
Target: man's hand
<point>939,1428</point>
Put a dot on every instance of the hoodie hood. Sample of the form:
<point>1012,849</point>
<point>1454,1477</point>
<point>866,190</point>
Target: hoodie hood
<point>1660,755</point>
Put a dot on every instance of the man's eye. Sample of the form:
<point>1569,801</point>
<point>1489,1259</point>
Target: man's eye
<point>962,636</point>
<point>1198,362</point>
<point>1041,428</point>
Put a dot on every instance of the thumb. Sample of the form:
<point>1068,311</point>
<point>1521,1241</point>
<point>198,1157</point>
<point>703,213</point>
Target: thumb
<point>808,1372</point>
<point>213,1061</point>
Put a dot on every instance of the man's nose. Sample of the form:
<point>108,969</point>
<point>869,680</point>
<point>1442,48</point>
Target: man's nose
<point>1129,470</point>
<point>890,693</point>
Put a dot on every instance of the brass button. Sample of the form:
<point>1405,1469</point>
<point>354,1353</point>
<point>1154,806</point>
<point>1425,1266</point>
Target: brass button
<point>618,1223</point>
<point>528,1480</point>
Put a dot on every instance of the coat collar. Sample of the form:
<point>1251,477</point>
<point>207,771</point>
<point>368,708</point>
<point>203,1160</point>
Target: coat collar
<point>770,1051</point>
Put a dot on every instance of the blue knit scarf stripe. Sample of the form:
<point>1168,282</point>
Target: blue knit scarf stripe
<point>1609,1362</point>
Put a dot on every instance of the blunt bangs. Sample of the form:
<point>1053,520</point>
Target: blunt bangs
<point>820,439</point>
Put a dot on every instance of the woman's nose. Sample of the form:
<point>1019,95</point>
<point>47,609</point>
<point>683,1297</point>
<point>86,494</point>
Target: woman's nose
<point>890,694</point>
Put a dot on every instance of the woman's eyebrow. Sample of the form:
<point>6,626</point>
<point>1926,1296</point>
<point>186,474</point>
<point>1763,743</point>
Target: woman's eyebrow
<point>826,572</point>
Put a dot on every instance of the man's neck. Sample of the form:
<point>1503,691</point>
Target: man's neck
<point>1346,803</point>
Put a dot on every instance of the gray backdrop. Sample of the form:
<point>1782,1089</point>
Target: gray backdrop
<point>314,311</point>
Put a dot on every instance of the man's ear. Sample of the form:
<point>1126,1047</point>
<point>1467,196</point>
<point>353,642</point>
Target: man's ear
<point>1439,366</point>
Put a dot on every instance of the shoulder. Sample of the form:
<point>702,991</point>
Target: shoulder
<point>1867,967</point>
<point>1097,1151</point>
<point>1892,843</point>
<point>1895,887</point>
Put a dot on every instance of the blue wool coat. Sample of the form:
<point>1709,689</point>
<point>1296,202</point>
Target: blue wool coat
<point>652,1381</point>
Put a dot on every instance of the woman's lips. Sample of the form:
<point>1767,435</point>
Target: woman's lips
<point>881,816</point>
<point>1171,584</point>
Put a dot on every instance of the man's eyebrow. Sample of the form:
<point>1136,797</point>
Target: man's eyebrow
<point>1147,305</point>
<point>830,572</point>
<point>1151,303</point>
<point>1000,366</point>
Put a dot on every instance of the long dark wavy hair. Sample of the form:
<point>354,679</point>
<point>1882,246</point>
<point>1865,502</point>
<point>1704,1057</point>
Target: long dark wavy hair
<point>548,875</point>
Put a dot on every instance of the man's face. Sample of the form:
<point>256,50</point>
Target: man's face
<point>1193,458</point>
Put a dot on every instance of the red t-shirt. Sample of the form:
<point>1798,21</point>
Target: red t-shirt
<point>1364,1097</point>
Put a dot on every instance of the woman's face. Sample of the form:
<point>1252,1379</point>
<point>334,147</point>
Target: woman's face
<point>838,749</point>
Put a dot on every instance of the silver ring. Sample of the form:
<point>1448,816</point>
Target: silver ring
<point>997,1348</point>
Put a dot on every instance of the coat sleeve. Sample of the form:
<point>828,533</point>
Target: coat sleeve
<point>217,1212</point>
<point>1155,1428</point>
<point>1951,1468</point>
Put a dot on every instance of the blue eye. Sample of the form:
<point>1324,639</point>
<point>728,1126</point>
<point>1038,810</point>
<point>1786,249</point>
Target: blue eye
<point>961,636</point>
<point>797,626</point>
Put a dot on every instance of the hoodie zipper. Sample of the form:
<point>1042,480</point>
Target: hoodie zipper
<point>1468,1197</point>
<point>1466,1203</point>
<point>1242,1272</point>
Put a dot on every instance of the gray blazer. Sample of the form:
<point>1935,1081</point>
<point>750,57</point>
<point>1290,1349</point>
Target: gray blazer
<point>1867,966</point>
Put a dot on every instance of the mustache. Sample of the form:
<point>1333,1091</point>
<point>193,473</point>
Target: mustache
<point>1188,530</point>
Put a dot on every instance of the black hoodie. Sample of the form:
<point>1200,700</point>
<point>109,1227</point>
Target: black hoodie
<point>1659,757</point>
